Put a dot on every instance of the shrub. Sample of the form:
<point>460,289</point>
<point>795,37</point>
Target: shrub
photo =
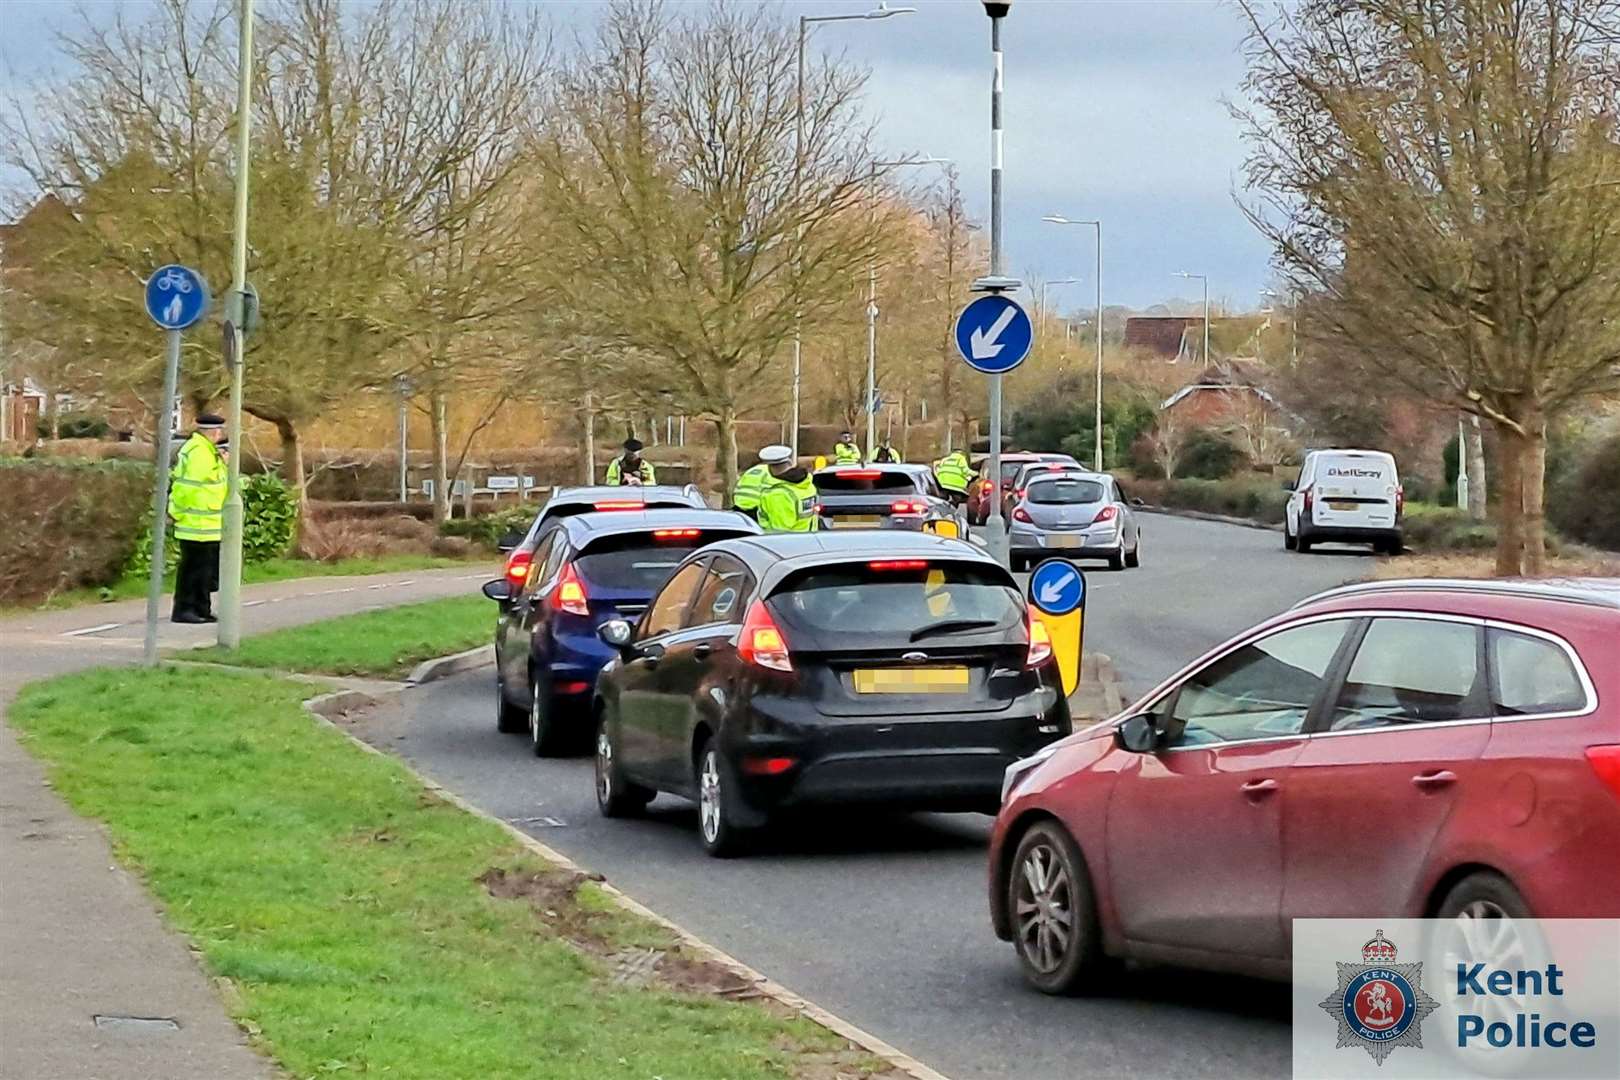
<point>489,528</point>
<point>1244,497</point>
<point>74,426</point>
<point>1209,455</point>
<point>345,538</point>
<point>1586,504</point>
<point>269,518</point>
<point>69,523</point>
<point>1426,527</point>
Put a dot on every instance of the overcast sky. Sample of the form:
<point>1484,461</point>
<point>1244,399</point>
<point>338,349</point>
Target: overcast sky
<point>1113,110</point>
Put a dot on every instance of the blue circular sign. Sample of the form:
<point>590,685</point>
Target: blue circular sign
<point>1057,587</point>
<point>176,296</point>
<point>994,334</point>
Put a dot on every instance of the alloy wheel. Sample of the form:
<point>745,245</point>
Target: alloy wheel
<point>1484,932</point>
<point>604,767</point>
<point>1045,909</point>
<point>537,719</point>
<point>709,797</point>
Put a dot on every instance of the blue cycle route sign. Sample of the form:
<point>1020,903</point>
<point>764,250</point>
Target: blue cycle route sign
<point>994,334</point>
<point>1057,587</point>
<point>176,296</point>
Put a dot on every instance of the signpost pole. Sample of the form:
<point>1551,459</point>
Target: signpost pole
<point>230,551</point>
<point>160,492</point>
<point>995,531</point>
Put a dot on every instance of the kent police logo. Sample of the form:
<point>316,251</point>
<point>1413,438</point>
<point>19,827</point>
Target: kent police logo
<point>1379,1004</point>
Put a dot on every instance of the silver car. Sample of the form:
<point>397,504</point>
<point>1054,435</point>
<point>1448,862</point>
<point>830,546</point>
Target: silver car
<point>1079,515</point>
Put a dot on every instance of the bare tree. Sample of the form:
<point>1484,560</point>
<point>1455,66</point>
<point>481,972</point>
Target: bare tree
<point>1168,441</point>
<point>1443,177</point>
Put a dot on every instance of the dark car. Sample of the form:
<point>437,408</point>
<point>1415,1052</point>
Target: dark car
<point>978,507</point>
<point>793,670</point>
<point>888,496</point>
<point>585,571</point>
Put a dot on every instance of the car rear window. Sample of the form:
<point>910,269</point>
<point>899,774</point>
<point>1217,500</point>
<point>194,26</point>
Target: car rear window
<point>907,598</point>
<point>842,480</point>
<point>1065,492</point>
<point>641,561</point>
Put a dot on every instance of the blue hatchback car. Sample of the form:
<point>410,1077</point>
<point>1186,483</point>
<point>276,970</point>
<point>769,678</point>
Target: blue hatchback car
<point>584,570</point>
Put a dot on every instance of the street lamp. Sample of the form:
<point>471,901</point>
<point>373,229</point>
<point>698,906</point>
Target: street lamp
<point>1293,322</point>
<point>871,288</point>
<point>995,526</point>
<point>1059,219</point>
<point>1205,279</point>
<point>882,11</point>
<point>1040,296</point>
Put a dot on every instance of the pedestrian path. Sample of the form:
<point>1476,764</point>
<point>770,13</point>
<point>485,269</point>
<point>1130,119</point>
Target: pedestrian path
<point>92,983</point>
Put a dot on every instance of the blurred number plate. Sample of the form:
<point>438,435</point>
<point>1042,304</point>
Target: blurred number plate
<point>1341,506</point>
<point>1063,541</point>
<point>856,521</point>
<point>941,527</point>
<point>926,680</point>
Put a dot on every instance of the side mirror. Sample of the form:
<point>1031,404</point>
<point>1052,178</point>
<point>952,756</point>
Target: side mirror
<point>499,590</point>
<point>509,542</point>
<point>616,632</point>
<point>1138,502</point>
<point>1137,734</point>
<point>1288,485</point>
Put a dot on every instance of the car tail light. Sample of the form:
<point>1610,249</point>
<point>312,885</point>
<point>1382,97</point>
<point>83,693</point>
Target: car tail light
<point>898,564</point>
<point>675,534</point>
<point>620,504</point>
<point>1107,513</point>
<point>767,766</point>
<point>1310,498</point>
<point>907,506</point>
<point>761,643</point>
<point>569,595</point>
<point>861,474</point>
<point>1605,761</point>
<point>1040,643</point>
<point>1400,501</point>
<point>517,569</point>
<point>1019,493</point>
<point>572,687</point>
<point>1020,514</point>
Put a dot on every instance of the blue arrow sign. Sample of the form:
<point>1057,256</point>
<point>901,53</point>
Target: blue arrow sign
<point>1057,587</point>
<point>994,334</point>
<point>176,296</point>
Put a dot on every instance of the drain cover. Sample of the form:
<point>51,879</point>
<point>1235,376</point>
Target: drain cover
<point>542,822</point>
<point>137,1023</point>
<point>635,967</point>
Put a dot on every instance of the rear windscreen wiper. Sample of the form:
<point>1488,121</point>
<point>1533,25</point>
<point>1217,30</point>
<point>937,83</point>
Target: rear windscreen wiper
<point>951,626</point>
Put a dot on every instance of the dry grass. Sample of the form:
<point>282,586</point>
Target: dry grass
<point>1470,565</point>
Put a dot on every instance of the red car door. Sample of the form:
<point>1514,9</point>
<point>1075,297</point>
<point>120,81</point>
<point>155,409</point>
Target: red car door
<point>1398,750</point>
<point>1194,834</point>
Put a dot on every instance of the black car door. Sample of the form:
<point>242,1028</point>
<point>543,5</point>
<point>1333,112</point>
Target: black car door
<point>514,632</point>
<point>644,686</point>
<point>694,659</point>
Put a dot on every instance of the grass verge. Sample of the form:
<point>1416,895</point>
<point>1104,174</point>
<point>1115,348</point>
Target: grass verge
<point>134,588</point>
<point>366,926</point>
<point>385,642</point>
<point>1484,566</point>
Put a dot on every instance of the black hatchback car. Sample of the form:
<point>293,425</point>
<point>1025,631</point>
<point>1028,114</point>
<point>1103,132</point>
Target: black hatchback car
<point>886,496</point>
<point>782,671</point>
<point>585,570</point>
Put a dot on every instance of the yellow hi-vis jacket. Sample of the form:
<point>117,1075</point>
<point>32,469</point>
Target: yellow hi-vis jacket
<point>749,487</point>
<point>197,490</point>
<point>953,471</point>
<point>846,454</point>
<point>785,506</point>
<point>615,472</point>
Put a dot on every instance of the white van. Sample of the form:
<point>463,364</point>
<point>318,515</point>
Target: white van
<point>1348,496</point>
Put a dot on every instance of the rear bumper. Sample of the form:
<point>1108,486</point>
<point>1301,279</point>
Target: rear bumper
<point>1033,543</point>
<point>1351,534</point>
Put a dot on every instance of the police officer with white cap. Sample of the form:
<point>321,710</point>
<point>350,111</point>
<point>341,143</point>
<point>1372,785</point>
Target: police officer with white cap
<point>788,500</point>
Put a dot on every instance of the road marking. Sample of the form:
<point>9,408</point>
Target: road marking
<point>252,603</point>
<point>91,629</point>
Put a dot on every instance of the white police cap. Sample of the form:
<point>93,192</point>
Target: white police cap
<point>776,454</point>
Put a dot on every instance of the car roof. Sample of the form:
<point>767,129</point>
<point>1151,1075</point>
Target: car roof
<point>772,556</point>
<point>1069,474</point>
<point>594,492</point>
<point>582,528</point>
<point>909,467</point>
<point>1465,594</point>
<point>1348,452</point>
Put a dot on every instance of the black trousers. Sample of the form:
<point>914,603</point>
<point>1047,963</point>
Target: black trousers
<point>197,577</point>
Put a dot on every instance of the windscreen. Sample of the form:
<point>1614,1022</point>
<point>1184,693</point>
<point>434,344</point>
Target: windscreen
<point>641,562</point>
<point>910,599</point>
<point>1065,492</point>
<point>836,481</point>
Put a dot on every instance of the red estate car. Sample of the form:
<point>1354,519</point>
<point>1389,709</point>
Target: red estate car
<point>1398,749</point>
<point>978,507</point>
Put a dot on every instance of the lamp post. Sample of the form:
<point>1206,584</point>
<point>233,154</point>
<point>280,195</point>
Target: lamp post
<point>1293,321</point>
<point>1059,219</point>
<point>1205,279</point>
<point>995,526</point>
<point>1040,296</point>
<point>882,11</point>
<point>871,288</point>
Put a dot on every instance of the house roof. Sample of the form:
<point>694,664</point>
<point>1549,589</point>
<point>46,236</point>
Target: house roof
<point>1244,375</point>
<point>1161,335</point>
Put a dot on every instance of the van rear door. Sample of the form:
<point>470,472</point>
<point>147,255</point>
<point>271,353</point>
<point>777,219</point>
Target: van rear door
<point>1355,490</point>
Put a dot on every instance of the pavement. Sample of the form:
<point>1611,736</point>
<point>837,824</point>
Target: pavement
<point>882,918</point>
<point>92,983</point>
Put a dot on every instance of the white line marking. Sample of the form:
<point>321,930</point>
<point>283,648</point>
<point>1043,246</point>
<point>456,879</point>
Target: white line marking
<point>91,629</point>
<point>252,603</point>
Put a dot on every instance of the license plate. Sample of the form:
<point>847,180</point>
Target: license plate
<point>916,680</point>
<point>856,521</point>
<point>1341,506</point>
<point>1063,541</point>
<point>940,528</point>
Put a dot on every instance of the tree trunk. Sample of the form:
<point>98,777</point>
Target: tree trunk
<point>292,467</point>
<point>1474,445</point>
<point>725,451</point>
<point>441,479</point>
<point>1534,488</point>
<point>1510,503</point>
<point>588,466</point>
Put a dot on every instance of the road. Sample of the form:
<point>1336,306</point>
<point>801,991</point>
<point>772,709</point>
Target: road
<point>883,919</point>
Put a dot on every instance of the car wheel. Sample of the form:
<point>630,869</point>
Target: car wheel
<point>1116,561</point>
<point>1054,912</point>
<point>1017,563</point>
<point>1289,543</point>
<point>615,796</point>
<point>544,738</point>
<point>1302,542</point>
<point>721,837</point>
<point>1134,559</point>
<point>509,719</point>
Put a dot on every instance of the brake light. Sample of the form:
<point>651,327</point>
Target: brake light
<point>620,504</point>
<point>1040,643</point>
<point>860,474</point>
<point>1019,494</point>
<point>1020,514</point>
<point>761,643</point>
<point>1400,500</point>
<point>898,564</point>
<point>1107,513</point>
<point>1310,497</point>
<point>1605,761</point>
<point>517,569</point>
<point>767,766</point>
<point>569,595</point>
<point>907,506</point>
<point>675,534</point>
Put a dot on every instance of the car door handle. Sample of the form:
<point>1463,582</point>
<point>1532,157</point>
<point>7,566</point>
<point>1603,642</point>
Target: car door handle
<point>702,651</point>
<point>1259,789</point>
<point>1438,779</point>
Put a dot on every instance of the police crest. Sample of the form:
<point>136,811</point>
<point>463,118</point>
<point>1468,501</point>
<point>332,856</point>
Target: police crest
<point>1378,1003</point>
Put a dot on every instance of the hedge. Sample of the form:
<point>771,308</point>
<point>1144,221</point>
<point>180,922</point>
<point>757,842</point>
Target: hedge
<point>69,524</point>
<point>1259,498</point>
<point>1586,505</point>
